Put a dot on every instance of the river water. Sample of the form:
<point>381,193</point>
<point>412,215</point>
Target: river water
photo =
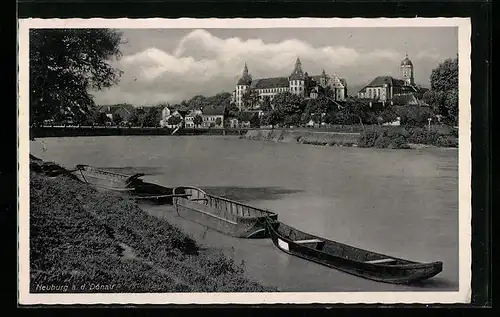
<point>402,203</point>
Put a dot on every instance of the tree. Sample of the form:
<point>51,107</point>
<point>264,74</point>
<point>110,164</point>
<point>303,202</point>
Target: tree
<point>197,120</point>
<point>152,117</point>
<point>231,111</point>
<point>445,76</point>
<point>174,120</point>
<point>102,118</point>
<point>255,120</point>
<point>117,119</point>
<point>289,107</point>
<point>266,104</point>
<point>272,118</point>
<point>137,117</point>
<point>251,99</point>
<point>65,66</point>
<point>218,121</point>
<point>443,96</point>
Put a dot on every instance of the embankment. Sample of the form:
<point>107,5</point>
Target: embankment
<point>74,131</point>
<point>83,240</point>
<point>372,136</point>
<point>303,137</point>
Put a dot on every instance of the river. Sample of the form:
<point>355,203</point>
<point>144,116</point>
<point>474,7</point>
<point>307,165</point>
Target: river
<point>400,202</point>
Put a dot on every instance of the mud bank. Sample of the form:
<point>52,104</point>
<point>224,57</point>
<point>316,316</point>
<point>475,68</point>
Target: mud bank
<point>303,137</point>
<point>86,241</point>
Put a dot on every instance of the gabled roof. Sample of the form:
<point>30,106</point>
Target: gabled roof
<point>317,78</point>
<point>110,109</point>
<point>275,82</point>
<point>213,111</point>
<point>382,80</point>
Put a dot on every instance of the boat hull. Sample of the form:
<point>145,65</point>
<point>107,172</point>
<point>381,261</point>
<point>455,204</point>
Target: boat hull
<point>223,215</point>
<point>406,273</point>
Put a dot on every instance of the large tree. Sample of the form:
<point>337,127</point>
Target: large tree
<point>289,107</point>
<point>152,117</point>
<point>251,99</point>
<point>443,96</point>
<point>66,65</point>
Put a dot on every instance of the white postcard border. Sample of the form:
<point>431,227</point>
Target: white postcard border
<point>463,295</point>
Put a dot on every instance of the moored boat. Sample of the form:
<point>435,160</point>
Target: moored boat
<point>131,185</point>
<point>356,261</point>
<point>102,178</point>
<point>221,214</point>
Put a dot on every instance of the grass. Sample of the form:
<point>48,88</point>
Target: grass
<point>402,137</point>
<point>97,241</point>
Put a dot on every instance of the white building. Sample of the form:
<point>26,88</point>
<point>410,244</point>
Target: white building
<point>299,82</point>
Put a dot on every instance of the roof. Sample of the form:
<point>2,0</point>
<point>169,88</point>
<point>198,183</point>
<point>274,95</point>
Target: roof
<point>383,80</point>
<point>274,82</point>
<point>113,108</point>
<point>406,62</point>
<point>317,78</point>
<point>297,73</point>
<point>213,111</point>
<point>245,80</point>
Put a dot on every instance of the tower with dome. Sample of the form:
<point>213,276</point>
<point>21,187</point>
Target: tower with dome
<point>407,73</point>
<point>388,88</point>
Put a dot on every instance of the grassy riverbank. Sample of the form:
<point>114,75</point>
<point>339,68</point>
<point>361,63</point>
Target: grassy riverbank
<point>372,136</point>
<point>82,240</point>
<point>304,137</point>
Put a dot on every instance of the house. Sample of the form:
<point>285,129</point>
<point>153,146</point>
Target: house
<point>213,117</point>
<point>386,88</point>
<point>189,118</point>
<point>123,111</point>
<point>166,114</point>
<point>233,123</point>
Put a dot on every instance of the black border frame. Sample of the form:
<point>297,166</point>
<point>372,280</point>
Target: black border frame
<point>481,57</point>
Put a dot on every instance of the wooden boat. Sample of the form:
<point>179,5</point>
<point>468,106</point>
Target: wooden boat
<point>363,263</point>
<point>221,214</point>
<point>132,185</point>
<point>106,179</point>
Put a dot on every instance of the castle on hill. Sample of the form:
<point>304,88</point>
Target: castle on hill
<point>298,82</point>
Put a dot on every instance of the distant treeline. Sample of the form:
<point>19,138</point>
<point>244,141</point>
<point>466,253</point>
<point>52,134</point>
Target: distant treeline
<point>41,132</point>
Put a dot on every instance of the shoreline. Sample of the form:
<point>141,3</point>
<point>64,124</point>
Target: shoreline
<point>88,241</point>
<point>335,139</point>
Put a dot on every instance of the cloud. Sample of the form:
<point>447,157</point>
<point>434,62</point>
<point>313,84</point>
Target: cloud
<point>204,64</point>
<point>431,54</point>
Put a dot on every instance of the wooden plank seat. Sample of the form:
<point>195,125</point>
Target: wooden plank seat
<point>308,241</point>
<point>380,261</point>
<point>199,199</point>
<point>319,243</point>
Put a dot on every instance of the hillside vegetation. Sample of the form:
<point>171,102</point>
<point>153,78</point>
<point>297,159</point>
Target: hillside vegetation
<point>82,240</point>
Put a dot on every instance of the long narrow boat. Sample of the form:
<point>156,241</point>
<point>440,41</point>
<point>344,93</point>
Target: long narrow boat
<point>132,185</point>
<point>221,214</point>
<point>363,263</point>
<point>106,179</point>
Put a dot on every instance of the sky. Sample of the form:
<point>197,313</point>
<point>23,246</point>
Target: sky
<point>171,65</point>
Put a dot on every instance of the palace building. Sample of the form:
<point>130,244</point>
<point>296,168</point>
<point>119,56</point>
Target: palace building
<point>298,82</point>
<point>384,88</point>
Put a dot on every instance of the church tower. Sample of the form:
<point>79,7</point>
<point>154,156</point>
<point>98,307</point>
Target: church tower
<point>407,71</point>
<point>243,85</point>
<point>296,79</point>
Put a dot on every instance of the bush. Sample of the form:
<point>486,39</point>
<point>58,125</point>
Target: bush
<point>400,137</point>
<point>368,138</point>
